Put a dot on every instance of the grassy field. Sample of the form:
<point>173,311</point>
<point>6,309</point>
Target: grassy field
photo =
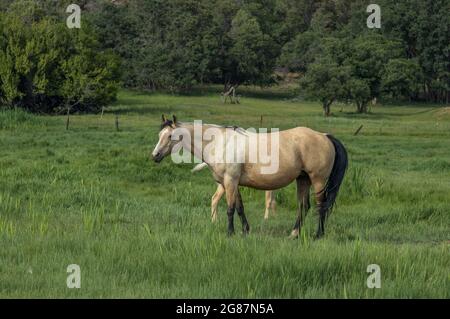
<point>91,196</point>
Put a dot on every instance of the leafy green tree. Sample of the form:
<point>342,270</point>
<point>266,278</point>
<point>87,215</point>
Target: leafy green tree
<point>299,52</point>
<point>297,16</point>
<point>369,56</point>
<point>118,30</point>
<point>177,44</point>
<point>90,79</point>
<point>327,82</point>
<point>248,53</point>
<point>423,29</point>
<point>359,92</point>
<point>164,44</point>
<point>402,77</point>
<point>45,66</point>
<point>433,45</point>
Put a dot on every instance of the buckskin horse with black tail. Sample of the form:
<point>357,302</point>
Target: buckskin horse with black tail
<point>309,157</point>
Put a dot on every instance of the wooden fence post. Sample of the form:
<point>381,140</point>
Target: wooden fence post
<point>359,129</point>
<point>68,119</point>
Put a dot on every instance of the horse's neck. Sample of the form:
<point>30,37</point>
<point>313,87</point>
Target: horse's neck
<point>191,145</point>
<point>196,145</point>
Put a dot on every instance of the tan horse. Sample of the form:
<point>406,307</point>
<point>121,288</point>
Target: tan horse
<point>307,156</point>
<point>270,203</point>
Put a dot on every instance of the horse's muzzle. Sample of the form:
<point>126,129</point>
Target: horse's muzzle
<point>158,158</point>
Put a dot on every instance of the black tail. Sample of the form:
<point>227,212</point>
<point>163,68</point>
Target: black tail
<point>337,174</point>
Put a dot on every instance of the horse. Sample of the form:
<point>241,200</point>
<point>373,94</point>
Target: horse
<point>270,202</point>
<point>309,157</point>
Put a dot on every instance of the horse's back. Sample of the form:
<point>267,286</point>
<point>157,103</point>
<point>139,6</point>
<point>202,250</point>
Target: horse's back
<point>314,148</point>
<point>301,150</point>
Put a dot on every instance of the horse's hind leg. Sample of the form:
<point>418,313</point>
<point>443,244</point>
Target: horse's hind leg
<point>270,204</point>
<point>303,186</point>
<point>319,187</point>
<point>215,201</point>
<point>273,203</point>
<point>240,210</point>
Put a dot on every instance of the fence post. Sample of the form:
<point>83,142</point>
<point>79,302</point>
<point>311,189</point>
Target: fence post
<point>68,119</point>
<point>357,131</point>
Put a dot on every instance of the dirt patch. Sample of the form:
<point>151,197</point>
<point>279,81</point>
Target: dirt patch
<point>443,112</point>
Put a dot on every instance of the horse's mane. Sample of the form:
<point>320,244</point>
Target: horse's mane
<point>237,129</point>
<point>165,124</point>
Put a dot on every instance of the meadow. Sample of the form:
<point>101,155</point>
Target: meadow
<point>91,196</point>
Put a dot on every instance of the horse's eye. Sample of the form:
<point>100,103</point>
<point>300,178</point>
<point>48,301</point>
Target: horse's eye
<point>170,137</point>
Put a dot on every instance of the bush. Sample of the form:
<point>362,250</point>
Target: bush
<point>45,67</point>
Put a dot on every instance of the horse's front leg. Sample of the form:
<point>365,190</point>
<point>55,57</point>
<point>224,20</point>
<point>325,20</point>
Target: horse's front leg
<point>240,210</point>
<point>231,190</point>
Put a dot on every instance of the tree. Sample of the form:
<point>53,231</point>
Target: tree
<point>369,56</point>
<point>402,77</point>
<point>433,29</point>
<point>44,65</point>
<point>422,28</point>
<point>326,81</point>
<point>177,44</point>
<point>299,52</point>
<point>359,91</point>
<point>249,52</point>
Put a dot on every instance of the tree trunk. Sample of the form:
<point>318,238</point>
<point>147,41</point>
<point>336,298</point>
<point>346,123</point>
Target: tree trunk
<point>326,109</point>
<point>68,118</point>
<point>29,96</point>
<point>358,107</point>
<point>361,107</point>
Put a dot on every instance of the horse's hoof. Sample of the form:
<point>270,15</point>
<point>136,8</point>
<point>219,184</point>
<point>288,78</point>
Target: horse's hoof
<point>294,234</point>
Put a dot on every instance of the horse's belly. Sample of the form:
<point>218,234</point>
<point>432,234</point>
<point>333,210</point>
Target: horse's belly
<point>269,181</point>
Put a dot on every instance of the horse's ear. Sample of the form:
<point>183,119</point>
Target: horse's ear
<point>163,118</point>
<point>174,119</point>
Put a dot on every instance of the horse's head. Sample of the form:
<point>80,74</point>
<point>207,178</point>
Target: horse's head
<point>165,142</point>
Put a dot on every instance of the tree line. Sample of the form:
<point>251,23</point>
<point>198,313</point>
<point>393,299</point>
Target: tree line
<point>46,67</point>
<point>175,45</point>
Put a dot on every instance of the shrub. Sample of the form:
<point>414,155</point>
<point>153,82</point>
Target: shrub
<point>44,66</point>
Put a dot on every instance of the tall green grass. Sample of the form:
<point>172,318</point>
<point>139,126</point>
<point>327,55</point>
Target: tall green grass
<point>91,196</point>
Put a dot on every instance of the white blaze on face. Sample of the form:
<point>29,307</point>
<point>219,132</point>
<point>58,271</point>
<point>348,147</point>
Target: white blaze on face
<point>164,142</point>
